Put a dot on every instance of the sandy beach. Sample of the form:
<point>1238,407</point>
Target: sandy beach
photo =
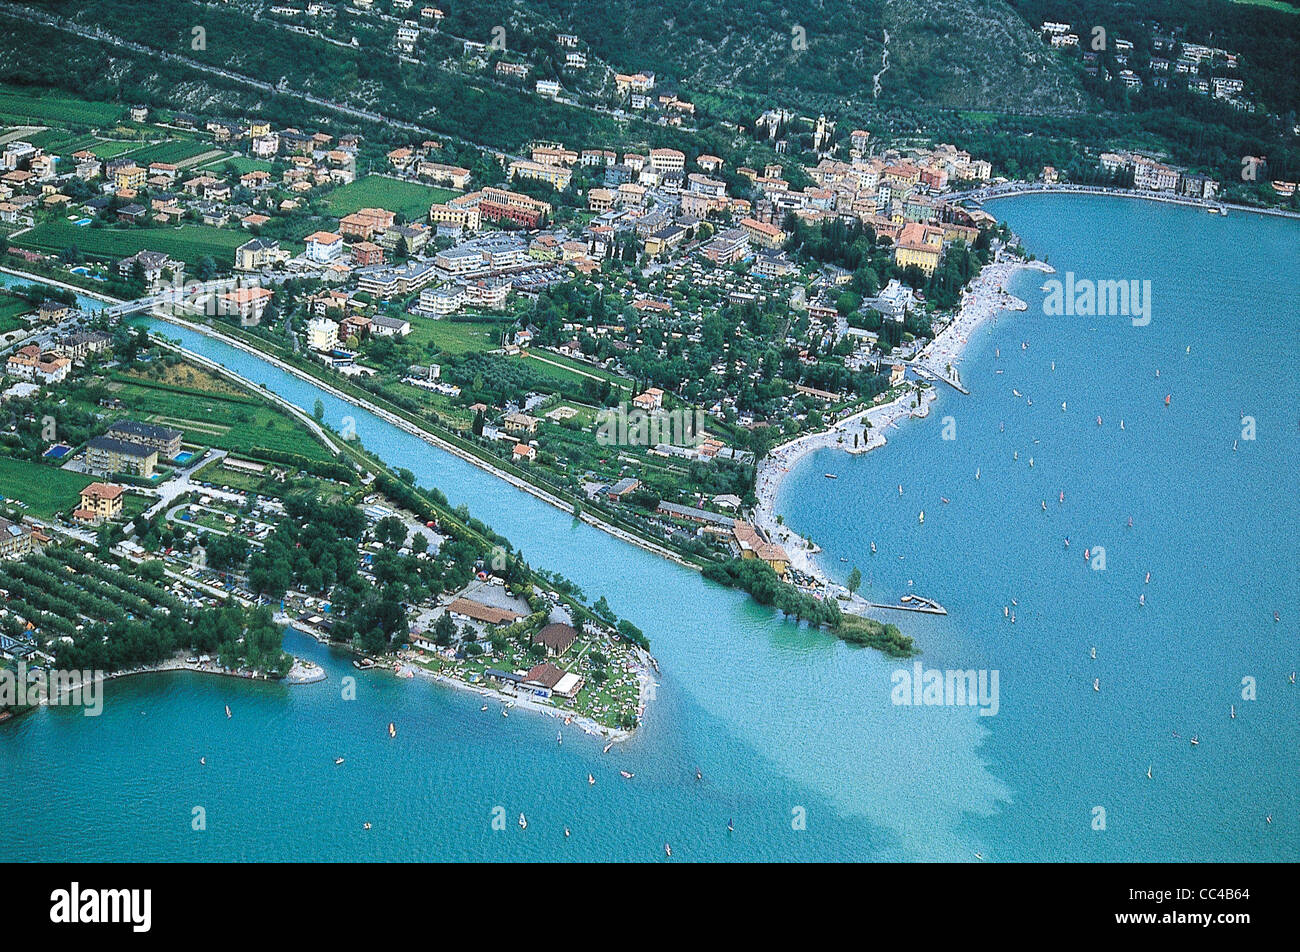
<point>985,297</point>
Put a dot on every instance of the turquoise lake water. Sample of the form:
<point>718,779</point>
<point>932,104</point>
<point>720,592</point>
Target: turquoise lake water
<point>795,733</point>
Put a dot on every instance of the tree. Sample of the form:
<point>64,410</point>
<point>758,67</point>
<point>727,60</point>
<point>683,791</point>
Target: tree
<point>318,410</point>
<point>444,630</point>
<point>855,580</point>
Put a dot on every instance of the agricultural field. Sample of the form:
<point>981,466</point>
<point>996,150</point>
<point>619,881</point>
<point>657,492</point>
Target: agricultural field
<point>53,109</point>
<point>188,243</point>
<point>241,424</point>
<point>241,163</point>
<point>46,489</point>
<point>112,148</point>
<point>174,152</point>
<point>374,191</point>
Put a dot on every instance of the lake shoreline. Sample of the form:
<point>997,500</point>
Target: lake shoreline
<point>983,299</point>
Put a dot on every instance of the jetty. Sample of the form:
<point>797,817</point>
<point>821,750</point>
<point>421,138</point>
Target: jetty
<point>930,373</point>
<point>913,603</point>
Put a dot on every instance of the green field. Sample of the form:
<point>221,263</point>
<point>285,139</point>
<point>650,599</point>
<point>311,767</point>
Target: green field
<point>112,148</point>
<point>11,309</point>
<point>240,424</point>
<point>455,338</point>
<point>374,191</point>
<point>52,109</point>
<point>173,152</point>
<point>544,362</point>
<point>188,243</point>
<point>241,163</point>
<point>45,489</point>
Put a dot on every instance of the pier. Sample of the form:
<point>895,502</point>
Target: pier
<point>930,374</point>
<point>913,603</point>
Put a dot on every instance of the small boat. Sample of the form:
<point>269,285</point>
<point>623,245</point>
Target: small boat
<point>921,517</point>
<point>977,473</point>
<point>523,822</point>
<point>1096,685</point>
<point>668,851</point>
<point>1054,370</point>
<point>1232,711</point>
<point>1234,446</point>
<point>1029,402</point>
<point>1142,599</point>
<point>1148,772</point>
<point>1189,349</point>
<point>1031,461</point>
<point>1121,424</point>
<point>568,720</point>
<point>1044,505</point>
<point>483,708</point>
<point>504,712</point>
<point>365,826</point>
<point>203,761</point>
<point>731,827</point>
<point>338,761</point>
<point>228,714</point>
<point>830,475</point>
<point>1292,678</point>
<point>843,559</point>
<point>1016,392</point>
<point>1093,653</point>
<point>873,548</point>
<point>1099,420</point>
<point>591,781</point>
<point>1276,617</point>
<point>1086,554</point>
<point>1196,740</point>
<point>1015,454</point>
<point>1013,618</point>
<point>1148,579</point>
<point>944,500</point>
<point>1061,497</point>
<point>392,729</point>
<point>626,775</point>
<point>1130,522</point>
<point>566,832</point>
<point>900,489</point>
<point>1168,397</point>
<point>1062,406</point>
<point>607,747</point>
<point>979,856</point>
<point>559,738</point>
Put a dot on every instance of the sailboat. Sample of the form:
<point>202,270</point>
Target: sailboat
<point>559,738</point>
<point>1168,397</point>
<point>921,518</point>
<point>668,851</point>
<point>1061,497</point>
<point>228,714</point>
<point>566,832</point>
<point>1044,505</point>
<point>1062,406</point>
<point>1142,599</point>
<point>731,827</point>
<point>873,548</point>
<point>1093,653</point>
<point>1148,579</point>
<point>900,489</point>
<point>1031,461</point>
<point>977,473</point>
<point>392,729</point>
<point>203,761</point>
<point>1232,711</point>
<point>591,781</point>
<point>523,822</point>
<point>1096,685</point>
<point>1148,772</point>
<point>698,775</point>
<point>1130,522</point>
<point>1005,611</point>
<point>1121,424</point>
<point>1015,454</point>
